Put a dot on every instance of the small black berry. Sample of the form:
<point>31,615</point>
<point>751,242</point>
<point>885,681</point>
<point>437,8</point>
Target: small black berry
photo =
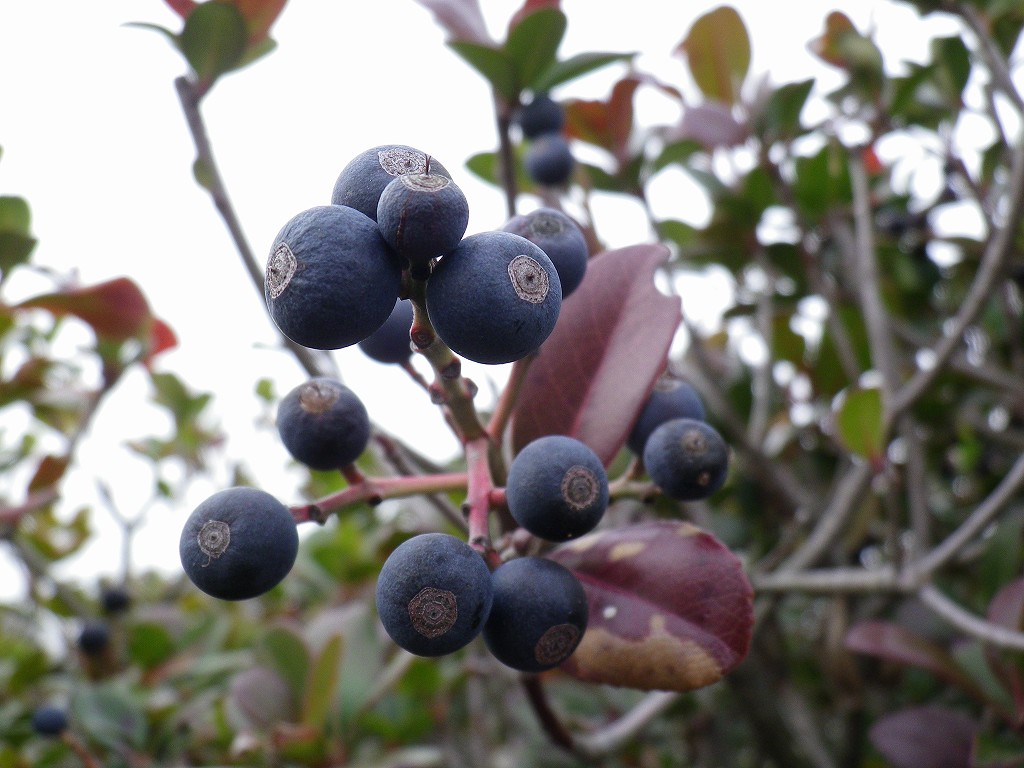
<point>433,594</point>
<point>541,115</point>
<point>549,160</point>
<point>560,238</point>
<point>94,637</point>
<point>49,720</point>
<point>331,280</point>
<point>361,182</point>
<point>670,399</point>
<point>422,215</point>
<point>687,459</point>
<point>390,343</point>
<point>557,488</point>
<point>239,543</point>
<point>539,614</point>
<point>495,298</point>
<point>323,424</point>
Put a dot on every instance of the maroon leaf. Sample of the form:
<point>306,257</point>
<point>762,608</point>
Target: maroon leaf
<point>461,19</point>
<point>900,645</point>
<point>606,124</point>
<point>1007,610</point>
<point>925,737</point>
<point>116,309</point>
<point>161,339</point>
<point>670,606</point>
<point>259,15</point>
<point>182,7</point>
<point>599,364</point>
<point>48,473</point>
<point>710,124</point>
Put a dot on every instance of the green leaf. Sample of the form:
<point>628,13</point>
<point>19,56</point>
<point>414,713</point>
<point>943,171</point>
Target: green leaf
<point>149,644</point>
<point>576,66</point>
<point>213,39</point>
<point>110,716</point>
<point>322,682</point>
<point>676,152</point>
<point>779,117</point>
<point>284,651</point>
<point>859,422</point>
<point>486,166</point>
<point>492,63</point>
<point>532,44</point>
<point>14,215</point>
<point>717,49</point>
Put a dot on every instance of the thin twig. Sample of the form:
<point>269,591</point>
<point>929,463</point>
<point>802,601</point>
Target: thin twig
<point>867,280</point>
<point>969,529</point>
<point>315,365</point>
<point>968,623</point>
<point>997,251</point>
<point>618,733</point>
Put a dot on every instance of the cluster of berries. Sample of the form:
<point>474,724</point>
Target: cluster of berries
<point>336,276</point>
<point>335,272</point>
<point>435,593</point>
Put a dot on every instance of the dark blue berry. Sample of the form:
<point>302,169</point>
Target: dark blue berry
<point>331,280</point>
<point>323,424</point>
<point>238,544</point>
<point>422,215</point>
<point>94,637</point>
<point>115,599</point>
<point>670,399</point>
<point>548,160</point>
<point>560,238</point>
<point>687,459</point>
<point>360,183</point>
<point>49,720</point>
<point>541,115</point>
<point>495,298</point>
<point>539,614</point>
<point>557,488</point>
<point>433,594</point>
<point>390,343</point>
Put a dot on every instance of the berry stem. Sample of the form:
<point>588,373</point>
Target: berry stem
<point>450,387</point>
<point>509,396</point>
<point>478,498</point>
<point>374,490</point>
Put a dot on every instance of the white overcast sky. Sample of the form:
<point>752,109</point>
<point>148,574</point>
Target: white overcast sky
<point>93,137</point>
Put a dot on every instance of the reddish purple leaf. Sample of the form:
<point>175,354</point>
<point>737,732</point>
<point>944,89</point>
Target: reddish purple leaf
<point>461,19</point>
<point>48,473</point>
<point>182,7</point>
<point>1007,610</point>
<point>115,309</point>
<point>259,15</point>
<point>670,606</point>
<point>599,364</point>
<point>161,338</point>
<point>900,645</point>
<point>710,124</point>
<point>925,737</point>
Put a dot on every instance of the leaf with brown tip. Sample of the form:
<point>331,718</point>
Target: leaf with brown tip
<point>670,606</point>
<point>594,372</point>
